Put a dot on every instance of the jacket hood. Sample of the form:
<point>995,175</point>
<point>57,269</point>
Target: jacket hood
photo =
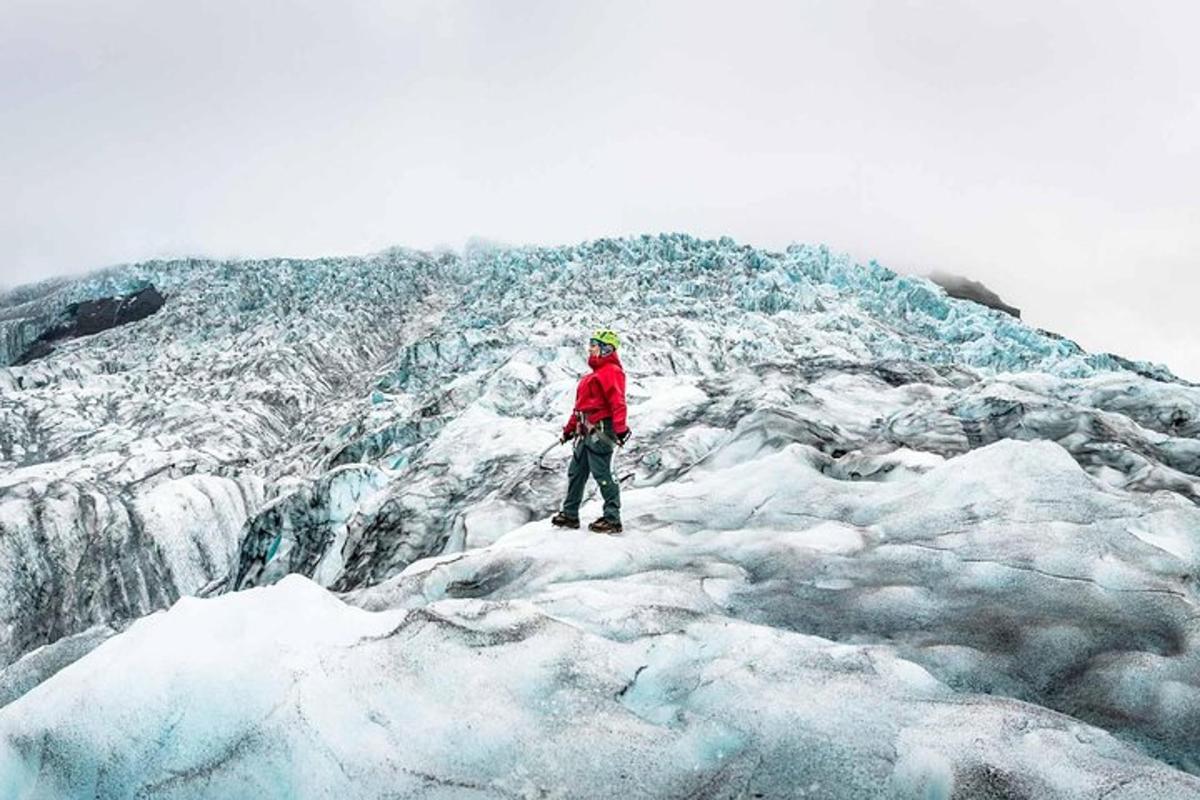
<point>596,362</point>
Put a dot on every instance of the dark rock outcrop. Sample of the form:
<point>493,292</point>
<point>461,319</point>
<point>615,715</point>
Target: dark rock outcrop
<point>965,289</point>
<point>94,316</point>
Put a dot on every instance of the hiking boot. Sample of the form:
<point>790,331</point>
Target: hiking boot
<point>561,520</point>
<point>604,525</point>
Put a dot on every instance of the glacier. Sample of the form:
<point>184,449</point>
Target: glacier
<point>288,537</point>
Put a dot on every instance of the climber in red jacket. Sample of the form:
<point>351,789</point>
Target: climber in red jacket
<point>597,425</point>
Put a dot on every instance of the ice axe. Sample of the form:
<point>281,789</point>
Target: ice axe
<point>543,455</point>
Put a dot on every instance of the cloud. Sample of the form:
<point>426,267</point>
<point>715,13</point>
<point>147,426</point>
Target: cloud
<point>1046,151</point>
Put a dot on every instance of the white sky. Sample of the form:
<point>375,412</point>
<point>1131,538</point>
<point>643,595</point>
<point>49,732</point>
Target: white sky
<point>1049,149</point>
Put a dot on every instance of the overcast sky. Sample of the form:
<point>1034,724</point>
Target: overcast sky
<point>1049,149</point>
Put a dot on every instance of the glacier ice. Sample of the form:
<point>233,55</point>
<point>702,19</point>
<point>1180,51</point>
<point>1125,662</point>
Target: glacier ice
<point>882,542</point>
<point>586,691</point>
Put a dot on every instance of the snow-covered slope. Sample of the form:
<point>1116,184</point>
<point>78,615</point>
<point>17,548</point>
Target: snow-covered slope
<point>879,542</point>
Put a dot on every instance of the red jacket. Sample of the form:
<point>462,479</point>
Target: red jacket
<point>601,394</point>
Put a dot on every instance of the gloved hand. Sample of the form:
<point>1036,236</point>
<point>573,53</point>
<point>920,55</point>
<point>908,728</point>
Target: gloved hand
<point>566,437</point>
<point>622,436</point>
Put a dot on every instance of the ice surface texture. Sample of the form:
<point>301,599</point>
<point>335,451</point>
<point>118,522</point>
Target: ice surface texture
<point>882,542</point>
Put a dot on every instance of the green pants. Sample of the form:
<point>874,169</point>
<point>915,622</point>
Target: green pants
<point>593,456</point>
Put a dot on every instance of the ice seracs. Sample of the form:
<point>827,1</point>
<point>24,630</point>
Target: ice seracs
<point>879,541</point>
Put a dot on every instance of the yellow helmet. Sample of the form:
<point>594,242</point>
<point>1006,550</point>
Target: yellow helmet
<point>608,337</point>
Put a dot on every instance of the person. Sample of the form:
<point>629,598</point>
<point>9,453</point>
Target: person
<point>598,425</point>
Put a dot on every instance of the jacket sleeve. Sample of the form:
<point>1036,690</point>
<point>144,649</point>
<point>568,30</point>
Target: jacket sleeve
<point>573,420</point>
<point>614,393</point>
